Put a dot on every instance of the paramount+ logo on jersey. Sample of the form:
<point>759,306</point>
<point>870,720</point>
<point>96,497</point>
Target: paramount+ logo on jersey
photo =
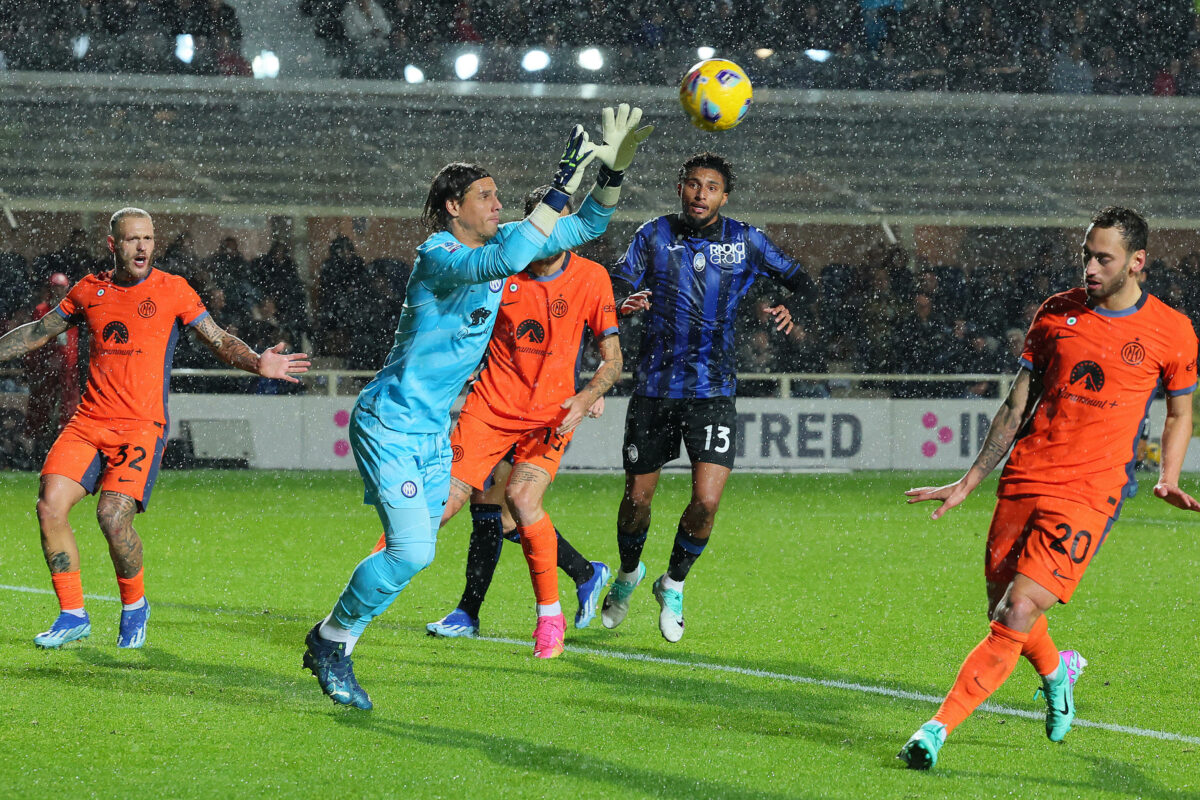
<point>112,336</point>
<point>727,253</point>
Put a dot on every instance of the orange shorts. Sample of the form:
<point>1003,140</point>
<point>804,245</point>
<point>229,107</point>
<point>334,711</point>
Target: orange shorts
<point>480,440</point>
<point>113,456</point>
<point>1047,539</point>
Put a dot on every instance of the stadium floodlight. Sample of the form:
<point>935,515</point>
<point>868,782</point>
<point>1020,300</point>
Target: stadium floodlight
<point>413,74</point>
<point>820,56</point>
<point>763,53</point>
<point>185,47</point>
<point>80,45</point>
<point>265,65</point>
<point>591,59</point>
<point>705,53</point>
<point>535,60</point>
<point>466,66</point>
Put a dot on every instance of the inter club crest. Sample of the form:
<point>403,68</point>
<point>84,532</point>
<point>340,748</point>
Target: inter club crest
<point>1133,353</point>
<point>147,309</point>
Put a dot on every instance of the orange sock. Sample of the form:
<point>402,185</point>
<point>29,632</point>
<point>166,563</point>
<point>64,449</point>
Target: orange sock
<point>541,552</point>
<point>382,543</point>
<point>131,589</point>
<point>69,588</point>
<point>983,672</point>
<point>1040,648</point>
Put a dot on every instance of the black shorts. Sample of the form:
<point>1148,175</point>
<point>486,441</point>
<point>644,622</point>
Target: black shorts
<point>655,425</point>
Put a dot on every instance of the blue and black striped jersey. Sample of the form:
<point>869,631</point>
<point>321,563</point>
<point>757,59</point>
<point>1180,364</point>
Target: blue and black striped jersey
<point>697,280</point>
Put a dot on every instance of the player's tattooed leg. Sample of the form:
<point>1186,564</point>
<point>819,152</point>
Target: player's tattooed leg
<point>115,512</point>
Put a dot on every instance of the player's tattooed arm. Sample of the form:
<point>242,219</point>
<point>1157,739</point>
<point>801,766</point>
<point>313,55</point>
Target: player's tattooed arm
<point>1018,406</point>
<point>606,375</point>
<point>272,363</point>
<point>31,335</point>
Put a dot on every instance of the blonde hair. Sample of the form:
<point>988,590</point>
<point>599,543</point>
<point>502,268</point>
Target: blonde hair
<point>128,211</point>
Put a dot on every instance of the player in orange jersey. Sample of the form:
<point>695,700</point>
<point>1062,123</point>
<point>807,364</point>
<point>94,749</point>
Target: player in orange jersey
<point>1092,360</point>
<point>526,397</point>
<point>115,440</point>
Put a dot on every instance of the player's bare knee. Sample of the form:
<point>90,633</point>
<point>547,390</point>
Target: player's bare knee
<point>1016,611</point>
<point>115,518</point>
<point>524,500</point>
<point>705,506</point>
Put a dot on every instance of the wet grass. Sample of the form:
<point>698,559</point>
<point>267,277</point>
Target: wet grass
<point>820,578</point>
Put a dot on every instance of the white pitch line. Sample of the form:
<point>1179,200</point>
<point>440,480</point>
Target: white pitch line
<point>827,683</point>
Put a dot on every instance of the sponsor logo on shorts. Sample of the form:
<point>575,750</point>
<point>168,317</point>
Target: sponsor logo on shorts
<point>558,308</point>
<point>146,308</point>
<point>1133,353</point>
<point>408,489</point>
<point>631,453</point>
<point>496,285</point>
<point>456,453</point>
<point>115,332</point>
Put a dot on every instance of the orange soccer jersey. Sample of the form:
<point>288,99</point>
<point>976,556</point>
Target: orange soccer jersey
<point>533,356</point>
<point>133,334</point>
<point>1099,371</point>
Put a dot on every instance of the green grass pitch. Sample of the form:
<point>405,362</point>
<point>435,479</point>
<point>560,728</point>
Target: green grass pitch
<point>810,580</point>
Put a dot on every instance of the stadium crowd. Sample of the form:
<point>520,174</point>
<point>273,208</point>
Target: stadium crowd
<point>888,313</point>
<point>1060,46</point>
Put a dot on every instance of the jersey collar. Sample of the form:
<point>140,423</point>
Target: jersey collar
<point>680,229</point>
<point>1125,312</point>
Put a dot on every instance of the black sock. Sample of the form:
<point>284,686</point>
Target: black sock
<point>630,545</point>
<point>483,553</point>
<point>572,562</point>
<point>684,553</point>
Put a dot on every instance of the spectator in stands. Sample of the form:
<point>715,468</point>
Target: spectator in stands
<point>275,277</point>
<point>220,16</point>
<point>340,286</point>
<point>1070,72</point>
<point>180,258</point>
<point>220,55</point>
<point>925,346</point>
<point>52,373</point>
<point>74,259</point>
<point>230,272</point>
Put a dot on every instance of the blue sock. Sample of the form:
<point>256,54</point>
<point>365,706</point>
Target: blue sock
<point>380,577</point>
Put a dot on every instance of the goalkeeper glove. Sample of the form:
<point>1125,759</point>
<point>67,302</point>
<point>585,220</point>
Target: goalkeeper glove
<point>575,158</point>
<point>621,139</point>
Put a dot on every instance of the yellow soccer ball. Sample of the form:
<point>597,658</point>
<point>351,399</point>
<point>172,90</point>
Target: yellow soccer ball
<point>715,94</point>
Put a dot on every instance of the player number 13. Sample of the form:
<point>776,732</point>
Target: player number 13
<point>722,439</point>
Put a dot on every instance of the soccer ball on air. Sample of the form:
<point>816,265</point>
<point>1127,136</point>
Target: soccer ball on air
<point>715,94</point>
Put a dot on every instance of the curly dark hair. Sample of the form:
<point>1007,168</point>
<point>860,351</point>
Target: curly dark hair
<point>708,160</point>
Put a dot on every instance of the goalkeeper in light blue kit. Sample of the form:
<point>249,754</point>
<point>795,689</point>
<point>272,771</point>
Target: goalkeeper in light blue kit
<point>399,430</point>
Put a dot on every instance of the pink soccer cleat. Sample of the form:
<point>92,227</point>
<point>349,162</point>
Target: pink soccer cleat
<point>548,637</point>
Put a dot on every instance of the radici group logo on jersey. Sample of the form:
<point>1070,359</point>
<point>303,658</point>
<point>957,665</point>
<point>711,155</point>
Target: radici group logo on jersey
<point>727,253</point>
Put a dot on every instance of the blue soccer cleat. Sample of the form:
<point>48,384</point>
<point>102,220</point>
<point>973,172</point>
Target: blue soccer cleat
<point>334,670</point>
<point>133,627</point>
<point>1060,696</point>
<point>67,628</point>
<point>921,750</point>
<point>455,624</point>
<point>588,593</point>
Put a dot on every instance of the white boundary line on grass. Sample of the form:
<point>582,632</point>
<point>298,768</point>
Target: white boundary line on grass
<point>861,688</point>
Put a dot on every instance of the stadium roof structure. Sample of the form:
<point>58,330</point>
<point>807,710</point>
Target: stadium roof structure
<point>75,142</point>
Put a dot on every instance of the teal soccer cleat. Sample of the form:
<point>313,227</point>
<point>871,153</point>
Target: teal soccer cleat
<point>67,628</point>
<point>670,616</point>
<point>334,670</point>
<point>1060,696</point>
<point>616,602</point>
<point>921,749</point>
